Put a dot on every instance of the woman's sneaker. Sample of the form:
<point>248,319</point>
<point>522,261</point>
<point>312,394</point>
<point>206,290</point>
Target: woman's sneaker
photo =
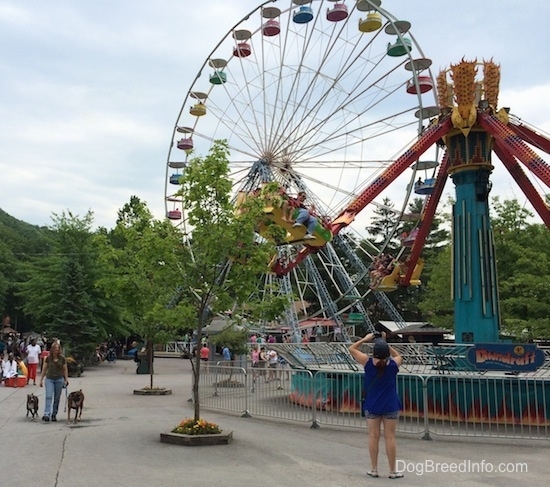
<point>45,418</point>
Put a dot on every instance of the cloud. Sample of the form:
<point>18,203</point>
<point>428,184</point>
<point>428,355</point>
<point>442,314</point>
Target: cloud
<point>90,91</point>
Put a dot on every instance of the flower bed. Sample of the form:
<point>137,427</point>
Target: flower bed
<point>200,427</point>
<point>196,433</point>
<point>155,391</point>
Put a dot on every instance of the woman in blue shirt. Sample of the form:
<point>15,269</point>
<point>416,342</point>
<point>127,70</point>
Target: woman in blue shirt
<point>381,404</point>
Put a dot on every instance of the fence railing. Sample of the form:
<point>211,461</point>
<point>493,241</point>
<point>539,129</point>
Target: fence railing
<point>443,405</point>
<point>418,358</point>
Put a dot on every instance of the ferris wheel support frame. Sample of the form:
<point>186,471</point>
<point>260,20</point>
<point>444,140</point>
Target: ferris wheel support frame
<point>351,289</point>
<point>362,270</point>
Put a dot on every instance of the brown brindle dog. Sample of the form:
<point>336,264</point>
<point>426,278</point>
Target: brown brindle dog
<point>75,401</point>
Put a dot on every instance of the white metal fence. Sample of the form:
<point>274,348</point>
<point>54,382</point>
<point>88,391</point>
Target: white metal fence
<point>442,404</point>
<point>441,393</point>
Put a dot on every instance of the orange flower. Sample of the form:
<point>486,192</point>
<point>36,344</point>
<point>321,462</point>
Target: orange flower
<point>200,427</point>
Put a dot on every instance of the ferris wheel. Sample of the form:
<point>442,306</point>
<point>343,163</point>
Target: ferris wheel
<point>318,96</point>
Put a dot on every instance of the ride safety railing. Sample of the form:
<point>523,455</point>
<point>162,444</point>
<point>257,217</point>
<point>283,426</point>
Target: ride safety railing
<point>418,358</point>
<point>439,403</point>
<point>178,349</point>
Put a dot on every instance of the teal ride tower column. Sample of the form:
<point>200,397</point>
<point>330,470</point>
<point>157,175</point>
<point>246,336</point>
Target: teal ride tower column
<point>474,279</point>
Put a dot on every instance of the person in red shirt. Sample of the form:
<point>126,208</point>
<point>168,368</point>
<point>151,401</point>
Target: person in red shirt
<point>205,356</point>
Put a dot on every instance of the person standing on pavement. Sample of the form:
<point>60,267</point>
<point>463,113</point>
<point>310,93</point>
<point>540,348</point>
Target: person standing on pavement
<point>226,355</point>
<point>273,364</point>
<point>205,355</point>
<point>381,403</point>
<point>33,356</point>
<point>261,364</point>
<point>57,377</point>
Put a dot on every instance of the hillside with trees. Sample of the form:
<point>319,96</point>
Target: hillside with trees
<point>82,285</point>
<point>20,243</point>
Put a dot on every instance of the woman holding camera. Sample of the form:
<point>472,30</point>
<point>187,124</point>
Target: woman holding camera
<point>381,403</point>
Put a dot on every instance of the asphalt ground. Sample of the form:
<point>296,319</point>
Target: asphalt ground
<point>118,444</point>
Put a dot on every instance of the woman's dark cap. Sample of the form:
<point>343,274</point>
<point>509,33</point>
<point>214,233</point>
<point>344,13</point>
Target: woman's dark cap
<point>381,349</point>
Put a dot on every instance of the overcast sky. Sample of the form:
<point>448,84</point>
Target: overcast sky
<point>90,90</point>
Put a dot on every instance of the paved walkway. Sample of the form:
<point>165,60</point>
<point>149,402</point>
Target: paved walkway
<point>117,444</point>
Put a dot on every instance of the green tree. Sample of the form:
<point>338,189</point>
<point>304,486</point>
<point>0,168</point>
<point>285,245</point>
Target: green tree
<point>407,299</point>
<point>523,270</point>
<point>7,263</point>
<point>437,237</point>
<point>59,289</point>
<point>228,257</point>
<point>508,216</point>
<point>523,267</point>
<point>143,256</point>
<point>383,227</point>
<point>436,303</point>
<point>76,320</point>
<point>19,243</point>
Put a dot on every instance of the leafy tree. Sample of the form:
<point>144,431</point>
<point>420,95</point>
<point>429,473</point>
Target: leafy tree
<point>523,270</point>
<point>508,216</point>
<point>19,242</point>
<point>407,299</point>
<point>143,256</point>
<point>7,262</point>
<point>228,257</point>
<point>235,339</point>
<point>59,289</point>
<point>438,235</point>
<point>383,225</point>
<point>436,304</point>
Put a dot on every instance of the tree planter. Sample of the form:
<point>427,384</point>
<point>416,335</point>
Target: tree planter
<point>152,392</point>
<point>196,440</point>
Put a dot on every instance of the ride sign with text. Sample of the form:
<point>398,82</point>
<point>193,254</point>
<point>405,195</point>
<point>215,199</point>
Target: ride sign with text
<point>508,357</point>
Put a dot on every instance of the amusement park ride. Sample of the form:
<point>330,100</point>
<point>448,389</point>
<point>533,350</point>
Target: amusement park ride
<point>310,96</point>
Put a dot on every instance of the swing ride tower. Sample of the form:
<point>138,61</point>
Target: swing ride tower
<point>469,147</point>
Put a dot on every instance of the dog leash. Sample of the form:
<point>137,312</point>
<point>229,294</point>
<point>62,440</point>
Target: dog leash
<point>66,399</point>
